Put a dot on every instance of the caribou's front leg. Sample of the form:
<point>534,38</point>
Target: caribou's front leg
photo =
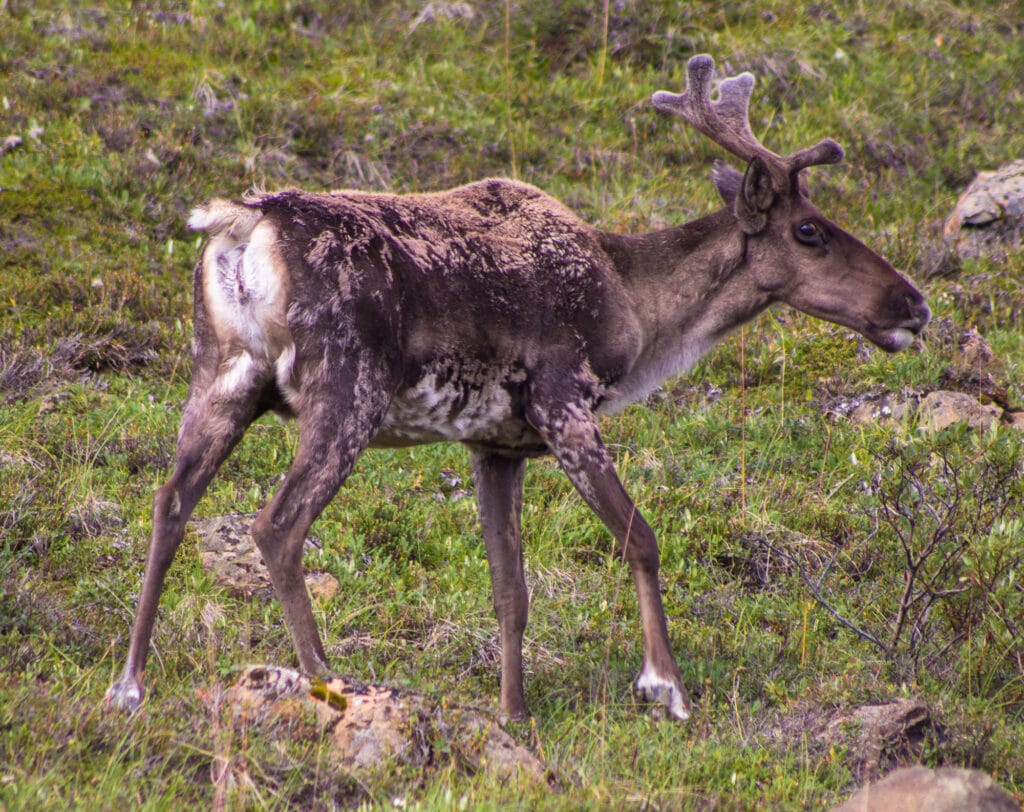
<point>499,492</point>
<point>571,432</point>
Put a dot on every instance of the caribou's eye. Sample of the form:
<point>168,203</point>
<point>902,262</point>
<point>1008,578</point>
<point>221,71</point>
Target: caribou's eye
<point>808,233</point>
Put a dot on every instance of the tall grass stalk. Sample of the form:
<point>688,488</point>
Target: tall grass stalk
<point>509,121</point>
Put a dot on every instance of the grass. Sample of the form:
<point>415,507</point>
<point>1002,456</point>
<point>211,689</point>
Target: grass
<point>129,115</point>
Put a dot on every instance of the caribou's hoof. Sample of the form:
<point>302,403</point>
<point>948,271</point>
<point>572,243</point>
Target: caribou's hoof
<point>666,695</point>
<point>124,695</point>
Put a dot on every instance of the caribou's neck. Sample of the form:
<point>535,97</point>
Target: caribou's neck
<point>689,289</point>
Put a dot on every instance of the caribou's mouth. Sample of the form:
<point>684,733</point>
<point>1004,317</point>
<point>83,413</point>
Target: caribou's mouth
<point>894,340</point>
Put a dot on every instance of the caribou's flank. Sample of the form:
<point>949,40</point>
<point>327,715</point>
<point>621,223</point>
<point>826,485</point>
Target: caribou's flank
<point>492,316</point>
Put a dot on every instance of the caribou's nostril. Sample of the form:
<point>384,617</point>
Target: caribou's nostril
<point>909,306</point>
<point>918,308</point>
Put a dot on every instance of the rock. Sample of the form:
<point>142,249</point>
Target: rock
<point>9,143</point>
<point>919,789</point>
<point>1015,419</point>
<point>322,585</point>
<point>865,408</point>
<point>975,351</point>
<point>230,555</point>
<point>442,10</point>
<point>878,736</point>
<point>975,396</point>
<point>373,725</point>
<point>942,409</point>
<point>878,409</point>
<point>988,219</point>
<point>879,406</point>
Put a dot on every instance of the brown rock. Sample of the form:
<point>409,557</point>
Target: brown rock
<point>1015,419</point>
<point>918,789</point>
<point>876,410</point>
<point>877,736</point>
<point>322,585</point>
<point>942,409</point>
<point>373,725</point>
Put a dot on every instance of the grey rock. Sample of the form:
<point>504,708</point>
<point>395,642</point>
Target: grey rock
<point>230,556</point>
<point>880,408</point>
<point>988,219</point>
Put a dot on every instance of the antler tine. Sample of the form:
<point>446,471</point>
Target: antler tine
<point>825,151</point>
<point>725,121</point>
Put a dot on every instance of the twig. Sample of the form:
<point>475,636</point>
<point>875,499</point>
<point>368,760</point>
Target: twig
<point>816,594</point>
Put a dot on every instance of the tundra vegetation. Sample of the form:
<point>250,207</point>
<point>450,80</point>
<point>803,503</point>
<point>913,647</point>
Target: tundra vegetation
<point>810,563</point>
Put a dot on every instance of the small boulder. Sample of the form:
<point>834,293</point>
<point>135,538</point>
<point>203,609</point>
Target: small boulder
<point>372,725</point>
<point>866,408</point>
<point>880,408</point>
<point>940,410</point>
<point>878,736</point>
<point>988,219</point>
<point>919,789</point>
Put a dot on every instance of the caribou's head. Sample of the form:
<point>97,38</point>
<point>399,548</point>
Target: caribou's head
<point>795,253</point>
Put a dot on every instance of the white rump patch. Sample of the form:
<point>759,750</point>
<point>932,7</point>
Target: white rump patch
<point>245,291</point>
<point>285,368</point>
<point>235,373</point>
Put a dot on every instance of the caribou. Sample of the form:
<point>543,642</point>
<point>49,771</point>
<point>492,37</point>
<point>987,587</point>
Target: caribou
<point>492,316</point>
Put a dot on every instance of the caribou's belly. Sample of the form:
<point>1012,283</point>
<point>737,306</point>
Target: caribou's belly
<point>461,403</point>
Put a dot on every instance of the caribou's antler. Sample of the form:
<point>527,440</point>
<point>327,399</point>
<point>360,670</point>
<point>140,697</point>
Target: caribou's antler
<point>726,121</point>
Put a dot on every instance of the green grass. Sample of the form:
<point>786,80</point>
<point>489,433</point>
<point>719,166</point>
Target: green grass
<point>131,115</point>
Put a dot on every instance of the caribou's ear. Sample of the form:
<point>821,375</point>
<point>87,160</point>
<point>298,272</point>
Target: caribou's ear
<point>727,180</point>
<point>755,197</point>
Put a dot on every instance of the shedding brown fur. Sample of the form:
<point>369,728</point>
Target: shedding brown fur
<point>489,315</point>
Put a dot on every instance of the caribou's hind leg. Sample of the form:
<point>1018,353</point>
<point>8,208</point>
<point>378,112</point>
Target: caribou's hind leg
<point>214,420</point>
<point>335,429</point>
